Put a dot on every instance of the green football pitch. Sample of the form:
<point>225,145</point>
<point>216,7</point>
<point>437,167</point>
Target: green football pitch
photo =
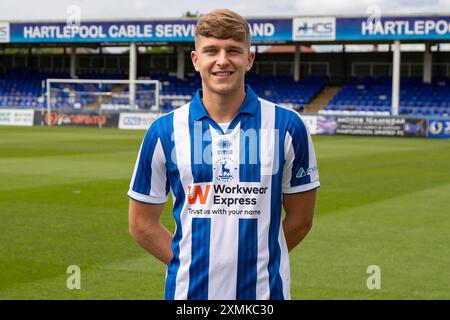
<point>383,202</point>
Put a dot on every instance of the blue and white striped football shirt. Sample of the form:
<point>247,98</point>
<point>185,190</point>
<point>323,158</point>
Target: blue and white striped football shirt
<point>227,196</point>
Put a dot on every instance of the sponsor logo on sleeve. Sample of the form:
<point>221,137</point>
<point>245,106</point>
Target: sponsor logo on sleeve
<point>302,172</point>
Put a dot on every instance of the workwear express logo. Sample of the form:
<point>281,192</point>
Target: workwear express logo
<point>320,28</point>
<point>224,195</point>
<point>4,32</point>
<point>198,194</point>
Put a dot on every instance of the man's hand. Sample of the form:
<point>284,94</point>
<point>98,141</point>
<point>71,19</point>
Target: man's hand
<point>299,208</point>
<point>145,228</point>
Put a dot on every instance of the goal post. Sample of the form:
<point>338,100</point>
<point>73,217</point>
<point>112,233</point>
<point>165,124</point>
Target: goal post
<point>102,95</point>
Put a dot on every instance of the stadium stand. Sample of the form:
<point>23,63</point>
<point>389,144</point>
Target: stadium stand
<point>26,89</point>
<point>345,79</point>
<point>285,91</point>
<point>373,94</point>
<point>22,88</point>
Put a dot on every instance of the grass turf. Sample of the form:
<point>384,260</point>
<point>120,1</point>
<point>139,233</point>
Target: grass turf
<point>383,201</point>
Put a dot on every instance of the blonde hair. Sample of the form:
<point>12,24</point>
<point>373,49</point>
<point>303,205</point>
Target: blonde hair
<point>224,24</point>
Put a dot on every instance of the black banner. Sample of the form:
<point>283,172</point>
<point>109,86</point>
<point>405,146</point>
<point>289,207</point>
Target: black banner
<point>228,309</point>
<point>416,127</point>
<point>381,126</point>
<point>107,120</point>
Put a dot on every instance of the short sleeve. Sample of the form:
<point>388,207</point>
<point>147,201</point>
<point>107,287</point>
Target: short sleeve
<point>300,172</point>
<point>149,182</point>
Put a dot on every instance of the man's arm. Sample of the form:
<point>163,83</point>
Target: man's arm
<point>145,228</point>
<point>299,208</point>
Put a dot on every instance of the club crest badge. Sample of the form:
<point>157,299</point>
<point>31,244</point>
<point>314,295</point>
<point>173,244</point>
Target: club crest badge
<point>225,169</point>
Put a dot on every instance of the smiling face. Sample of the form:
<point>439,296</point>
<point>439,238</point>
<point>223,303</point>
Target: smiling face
<point>222,64</point>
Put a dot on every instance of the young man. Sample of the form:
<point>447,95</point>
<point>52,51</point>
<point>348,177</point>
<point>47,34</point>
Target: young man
<point>232,161</point>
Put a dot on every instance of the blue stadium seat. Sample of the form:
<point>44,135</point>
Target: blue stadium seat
<point>416,97</point>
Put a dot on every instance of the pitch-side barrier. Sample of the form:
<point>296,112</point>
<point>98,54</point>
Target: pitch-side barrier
<point>320,124</point>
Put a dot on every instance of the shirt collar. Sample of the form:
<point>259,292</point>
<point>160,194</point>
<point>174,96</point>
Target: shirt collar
<point>250,104</point>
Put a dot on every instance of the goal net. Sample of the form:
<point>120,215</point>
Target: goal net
<point>99,95</point>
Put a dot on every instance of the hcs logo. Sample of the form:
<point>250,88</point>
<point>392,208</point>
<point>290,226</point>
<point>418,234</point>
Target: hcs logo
<point>198,194</point>
<point>4,32</point>
<point>323,28</point>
